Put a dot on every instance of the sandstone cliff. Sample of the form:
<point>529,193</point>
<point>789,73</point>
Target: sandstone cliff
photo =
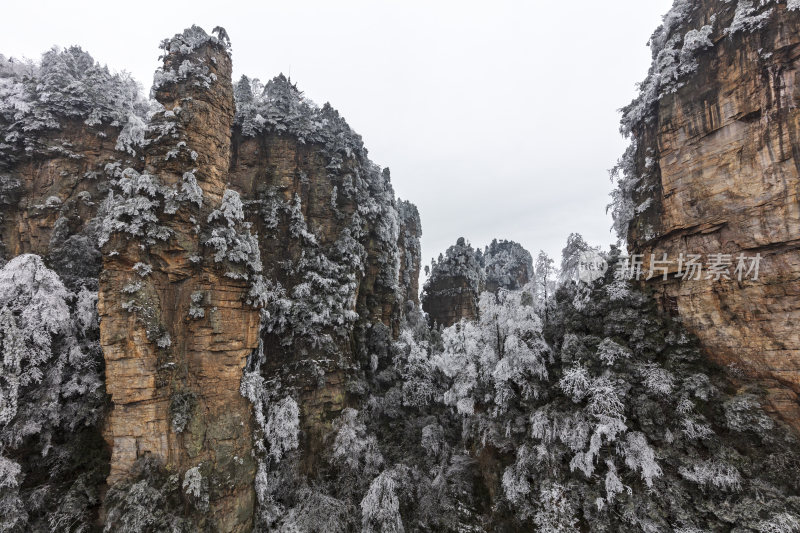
<point>247,253</point>
<point>173,374</point>
<point>266,363</point>
<point>713,168</point>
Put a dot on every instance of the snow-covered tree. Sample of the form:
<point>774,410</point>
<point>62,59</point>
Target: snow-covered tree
<point>545,281</point>
<point>571,256</point>
<point>49,386</point>
<point>380,508</point>
<point>283,426</point>
<point>67,85</point>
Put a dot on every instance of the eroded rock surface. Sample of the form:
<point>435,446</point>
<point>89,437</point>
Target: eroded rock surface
<point>173,373</point>
<point>714,168</point>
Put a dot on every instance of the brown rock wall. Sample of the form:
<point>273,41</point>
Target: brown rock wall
<point>204,357</point>
<point>726,181</point>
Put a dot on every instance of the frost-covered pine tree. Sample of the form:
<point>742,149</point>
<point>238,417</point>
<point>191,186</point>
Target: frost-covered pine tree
<point>50,386</point>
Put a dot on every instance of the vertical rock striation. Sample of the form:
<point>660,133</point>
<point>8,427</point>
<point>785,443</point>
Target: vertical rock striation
<point>248,254</point>
<point>176,329</point>
<point>411,258</point>
<point>340,254</point>
<point>714,167</point>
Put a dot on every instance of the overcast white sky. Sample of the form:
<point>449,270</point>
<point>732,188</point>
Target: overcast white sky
<point>498,119</point>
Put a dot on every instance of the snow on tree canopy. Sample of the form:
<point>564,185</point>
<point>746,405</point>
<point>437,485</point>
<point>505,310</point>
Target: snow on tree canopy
<point>282,427</point>
<point>280,107</point>
<point>49,386</point>
<point>380,508</point>
<point>67,84</point>
<point>190,40</point>
<point>507,264</point>
<point>460,260</point>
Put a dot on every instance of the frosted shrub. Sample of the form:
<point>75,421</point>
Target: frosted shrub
<point>639,456</point>
<point>148,502</point>
<point>282,428</point>
<point>714,474</point>
<point>502,352</point>
<point>516,486</point>
<point>49,386</point>
<point>744,413</point>
<point>380,508</point>
<point>196,488</point>
<point>230,210</point>
<point>353,447</point>
<point>613,483</point>
<point>610,352</point>
<point>781,522</point>
<point>132,210</point>
<point>191,189</point>
<point>746,17</point>
<point>432,440</point>
<point>656,379</point>
<point>33,309</point>
<point>457,362</point>
<point>694,430</point>
<point>196,306</point>
<point>132,136</point>
<point>181,405</point>
<point>319,307</point>
<point>315,511</point>
<point>575,382</point>
<point>231,239</point>
<point>555,513</point>
<point>12,508</point>
<point>415,367</point>
<point>605,400</point>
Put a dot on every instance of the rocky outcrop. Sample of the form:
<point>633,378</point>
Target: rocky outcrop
<point>52,195</point>
<point>508,266</point>
<point>411,253</point>
<point>175,326</point>
<point>341,255</point>
<point>715,169</point>
<point>458,277</point>
<point>252,256</point>
<point>62,122</point>
<point>267,367</point>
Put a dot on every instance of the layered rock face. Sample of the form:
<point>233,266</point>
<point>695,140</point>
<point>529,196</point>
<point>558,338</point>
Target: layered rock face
<point>175,328</point>
<point>53,156</point>
<point>715,169</point>
<point>410,234</point>
<point>341,256</point>
<point>459,276</point>
<point>252,256</point>
<point>48,197</point>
